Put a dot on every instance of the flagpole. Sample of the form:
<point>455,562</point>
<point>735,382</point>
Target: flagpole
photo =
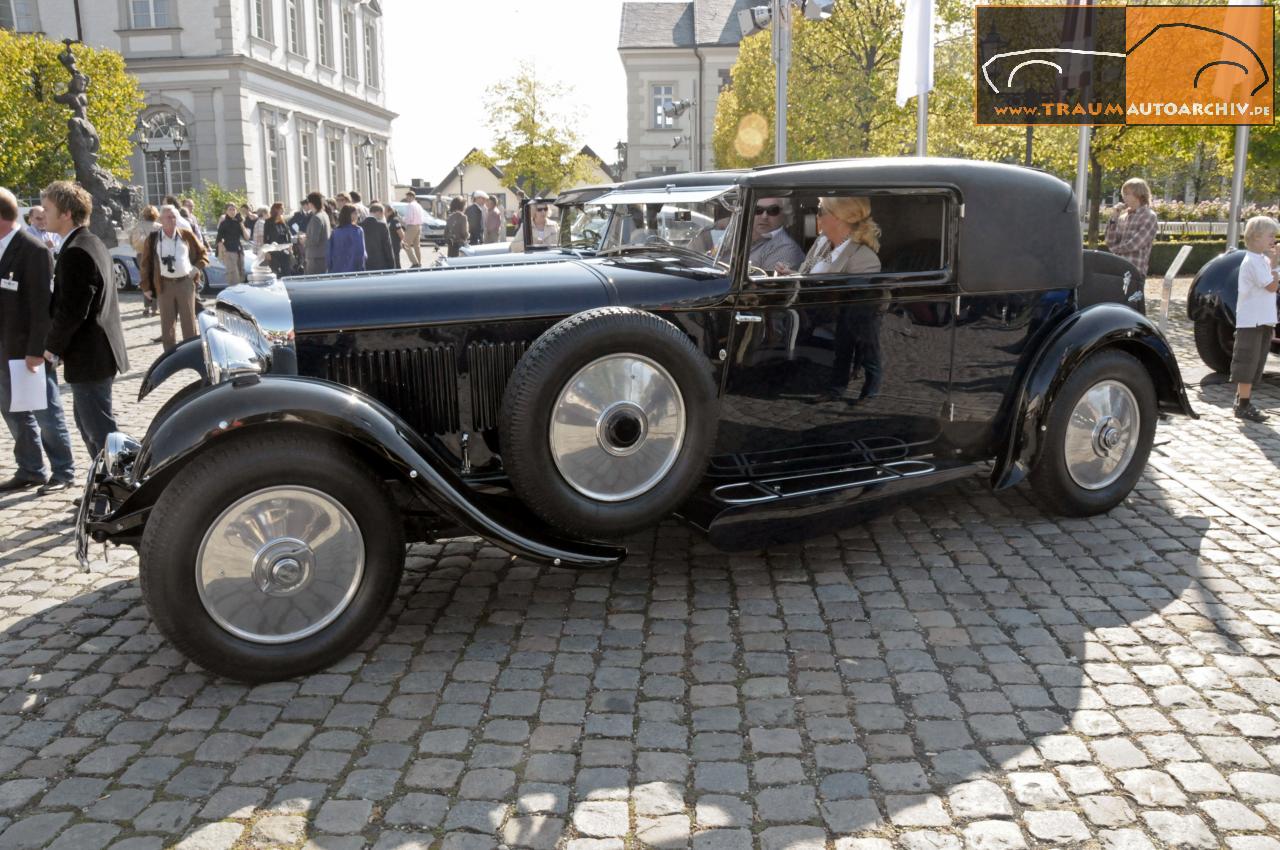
<point>782,64</point>
<point>922,124</point>
<point>1237,185</point>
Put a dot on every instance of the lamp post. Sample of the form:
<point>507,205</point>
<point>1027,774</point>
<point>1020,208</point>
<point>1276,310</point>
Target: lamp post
<point>163,134</point>
<point>621,167</point>
<point>778,13</point>
<point>675,110</point>
<point>366,147</point>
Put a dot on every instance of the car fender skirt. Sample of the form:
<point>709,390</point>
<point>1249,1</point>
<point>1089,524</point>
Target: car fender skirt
<point>186,355</point>
<point>1081,334</point>
<point>1214,289</point>
<point>253,402</point>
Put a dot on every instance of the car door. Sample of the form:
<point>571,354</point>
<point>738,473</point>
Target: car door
<point>828,369</point>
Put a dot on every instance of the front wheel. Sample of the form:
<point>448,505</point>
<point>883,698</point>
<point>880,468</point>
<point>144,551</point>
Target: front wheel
<point>1097,436</point>
<point>261,564</point>
<point>120,276</point>
<point>1215,340</point>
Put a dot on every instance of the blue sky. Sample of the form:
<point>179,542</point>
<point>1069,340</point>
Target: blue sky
<point>443,57</point>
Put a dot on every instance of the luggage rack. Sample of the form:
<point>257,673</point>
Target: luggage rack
<point>758,491</point>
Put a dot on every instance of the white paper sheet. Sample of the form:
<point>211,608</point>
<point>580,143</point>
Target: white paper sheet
<point>27,388</point>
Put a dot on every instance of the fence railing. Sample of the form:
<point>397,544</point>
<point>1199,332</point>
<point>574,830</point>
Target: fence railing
<point>1192,228</point>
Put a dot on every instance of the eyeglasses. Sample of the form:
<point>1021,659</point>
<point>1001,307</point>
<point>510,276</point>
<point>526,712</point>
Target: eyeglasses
<point>771,210</point>
<point>539,209</point>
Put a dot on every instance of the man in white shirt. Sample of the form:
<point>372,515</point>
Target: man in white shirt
<point>413,220</point>
<point>1256,285</point>
<point>770,242</point>
<point>170,267</point>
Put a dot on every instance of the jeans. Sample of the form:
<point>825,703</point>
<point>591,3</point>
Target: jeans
<point>33,428</point>
<point>93,413</point>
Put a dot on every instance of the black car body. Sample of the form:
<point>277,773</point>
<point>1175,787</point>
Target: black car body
<point>1211,306</point>
<point>552,407</point>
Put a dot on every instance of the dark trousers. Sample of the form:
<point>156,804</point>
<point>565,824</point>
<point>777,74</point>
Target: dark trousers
<point>35,428</point>
<point>93,413</point>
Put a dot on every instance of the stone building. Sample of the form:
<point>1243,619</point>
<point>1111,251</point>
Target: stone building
<point>276,97</point>
<point>672,52</point>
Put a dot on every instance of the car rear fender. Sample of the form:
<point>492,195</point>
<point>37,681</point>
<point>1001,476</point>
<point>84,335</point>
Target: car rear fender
<point>226,410</point>
<point>188,354</point>
<point>1080,335</point>
<point>1214,288</point>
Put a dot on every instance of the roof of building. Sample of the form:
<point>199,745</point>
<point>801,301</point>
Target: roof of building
<point>462,166</point>
<point>716,21</point>
<point>689,23</point>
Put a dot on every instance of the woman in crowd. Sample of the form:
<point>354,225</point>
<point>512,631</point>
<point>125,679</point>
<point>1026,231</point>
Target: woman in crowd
<point>276,232</point>
<point>1133,225</point>
<point>395,226</point>
<point>455,229</point>
<point>259,227</point>
<point>148,223</point>
<point>346,244</point>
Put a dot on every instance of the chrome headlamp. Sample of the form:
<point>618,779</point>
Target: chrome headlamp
<point>247,326</point>
<point>119,453</point>
<point>226,355</point>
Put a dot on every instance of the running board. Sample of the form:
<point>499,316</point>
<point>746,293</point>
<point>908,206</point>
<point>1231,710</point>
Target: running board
<point>755,513</point>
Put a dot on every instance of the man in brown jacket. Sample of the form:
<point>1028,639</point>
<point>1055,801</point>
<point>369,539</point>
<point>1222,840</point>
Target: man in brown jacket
<point>170,266</point>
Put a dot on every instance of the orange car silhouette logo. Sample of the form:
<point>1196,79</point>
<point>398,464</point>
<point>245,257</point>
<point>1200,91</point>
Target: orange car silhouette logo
<point>1125,65</point>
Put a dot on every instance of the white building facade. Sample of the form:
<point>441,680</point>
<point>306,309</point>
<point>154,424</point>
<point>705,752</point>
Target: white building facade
<point>274,97</point>
<point>673,52</point>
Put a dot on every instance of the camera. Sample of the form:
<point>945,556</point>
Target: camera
<point>168,263</point>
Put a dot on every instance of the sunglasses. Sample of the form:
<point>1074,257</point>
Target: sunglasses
<point>771,210</point>
<point>539,209</point>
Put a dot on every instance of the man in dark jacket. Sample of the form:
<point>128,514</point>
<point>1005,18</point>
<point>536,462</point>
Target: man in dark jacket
<point>26,268</point>
<point>85,334</point>
<point>377,241</point>
<point>475,217</point>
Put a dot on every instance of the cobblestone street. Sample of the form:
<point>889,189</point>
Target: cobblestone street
<point>966,671</point>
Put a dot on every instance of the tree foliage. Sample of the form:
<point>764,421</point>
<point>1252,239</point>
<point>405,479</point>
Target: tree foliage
<point>534,144</point>
<point>33,129</point>
<point>211,201</point>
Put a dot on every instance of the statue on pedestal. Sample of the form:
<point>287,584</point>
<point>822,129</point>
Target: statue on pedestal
<point>111,198</point>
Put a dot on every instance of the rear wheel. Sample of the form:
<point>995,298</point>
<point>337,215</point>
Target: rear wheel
<point>120,276</point>
<point>260,563</point>
<point>1097,436</point>
<point>1214,341</point>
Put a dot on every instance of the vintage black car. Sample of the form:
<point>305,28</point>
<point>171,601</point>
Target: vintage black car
<point>1211,306</point>
<point>552,408</point>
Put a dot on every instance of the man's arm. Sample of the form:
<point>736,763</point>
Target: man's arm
<point>37,272</point>
<point>1140,229</point>
<point>73,300</point>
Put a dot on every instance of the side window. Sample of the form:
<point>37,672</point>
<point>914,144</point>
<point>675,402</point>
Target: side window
<point>847,232</point>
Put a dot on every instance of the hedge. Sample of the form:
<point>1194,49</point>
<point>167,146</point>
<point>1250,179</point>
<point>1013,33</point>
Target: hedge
<point>1202,251</point>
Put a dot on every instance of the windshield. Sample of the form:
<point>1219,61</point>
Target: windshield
<point>704,228</point>
<point>583,225</point>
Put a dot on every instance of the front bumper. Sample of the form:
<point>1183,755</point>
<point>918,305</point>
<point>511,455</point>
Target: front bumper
<point>106,488</point>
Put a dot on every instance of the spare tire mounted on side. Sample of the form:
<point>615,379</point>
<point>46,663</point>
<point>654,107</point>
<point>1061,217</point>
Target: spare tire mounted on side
<point>607,422</point>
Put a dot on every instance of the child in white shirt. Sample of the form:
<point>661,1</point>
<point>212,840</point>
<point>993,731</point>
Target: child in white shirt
<point>1255,313</point>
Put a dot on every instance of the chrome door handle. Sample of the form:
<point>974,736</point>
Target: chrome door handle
<point>747,318</point>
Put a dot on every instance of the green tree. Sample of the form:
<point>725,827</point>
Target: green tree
<point>535,145</point>
<point>211,200</point>
<point>33,129</point>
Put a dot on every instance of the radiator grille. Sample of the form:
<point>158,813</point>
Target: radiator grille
<point>491,366</point>
<point>420,384</point>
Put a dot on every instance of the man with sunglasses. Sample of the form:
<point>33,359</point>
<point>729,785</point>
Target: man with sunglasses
<point>770,242</point>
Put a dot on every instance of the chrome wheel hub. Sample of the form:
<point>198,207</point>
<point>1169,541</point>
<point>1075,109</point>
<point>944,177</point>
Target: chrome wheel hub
<point>280,564</point>
<point>1102,435</point>
<point>617,427</point>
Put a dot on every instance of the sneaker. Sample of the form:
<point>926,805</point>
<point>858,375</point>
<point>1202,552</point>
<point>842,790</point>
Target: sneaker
<point>1246,410</point>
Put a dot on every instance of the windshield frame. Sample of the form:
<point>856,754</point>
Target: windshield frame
<point>726,252</point>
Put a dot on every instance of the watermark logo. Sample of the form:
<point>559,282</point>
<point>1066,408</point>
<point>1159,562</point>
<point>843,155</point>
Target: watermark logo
<point>1124,65</point>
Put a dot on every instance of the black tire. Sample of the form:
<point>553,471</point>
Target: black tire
<point>540,376</point>
<point>1051,478</point>
<point>201,492</point>
<point>1214,342</point>
<point>120,276</point>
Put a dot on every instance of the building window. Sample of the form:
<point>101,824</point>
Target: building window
<point>324,48</point>
<point>371,55</point>
<point>146,14</point>
<point>273,150</point>
<point>307,157</point>
<point>349,44</point>
<point>379,170</point>
<point>260,13</point>
<point>335,163</point>
<point>167,157</point>
<point>726,79</point>
<point>663,96</point>
<point>297,44</point>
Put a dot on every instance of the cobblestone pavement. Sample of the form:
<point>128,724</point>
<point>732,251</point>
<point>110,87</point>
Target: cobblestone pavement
<point>966,671</point>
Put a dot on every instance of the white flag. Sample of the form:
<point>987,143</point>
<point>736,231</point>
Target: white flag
<point>915,64</point>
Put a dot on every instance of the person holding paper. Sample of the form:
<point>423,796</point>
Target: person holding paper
<point>85,334</point>
<point>26,267</point>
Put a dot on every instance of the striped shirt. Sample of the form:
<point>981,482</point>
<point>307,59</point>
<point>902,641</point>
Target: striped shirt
<point>1130,235</point>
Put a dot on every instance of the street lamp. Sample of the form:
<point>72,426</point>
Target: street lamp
<point>778,12</point>
<point>366,147</point>
<point>674,110</point>
<point>163,134</point>
<point>621,167</point>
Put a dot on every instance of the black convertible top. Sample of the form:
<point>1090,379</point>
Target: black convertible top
<point>1020,228</point>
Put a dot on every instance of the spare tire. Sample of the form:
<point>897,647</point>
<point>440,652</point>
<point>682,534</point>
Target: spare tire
<point>608,422</point>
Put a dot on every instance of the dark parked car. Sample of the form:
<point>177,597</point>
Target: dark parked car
<point>554,407</point>
<point>1211,305</point>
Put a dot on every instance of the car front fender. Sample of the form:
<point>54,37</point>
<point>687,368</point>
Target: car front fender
<point>1214,288</point>
<point>248,403</point>
<point>1080,335</point>
<point>188,354</point>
